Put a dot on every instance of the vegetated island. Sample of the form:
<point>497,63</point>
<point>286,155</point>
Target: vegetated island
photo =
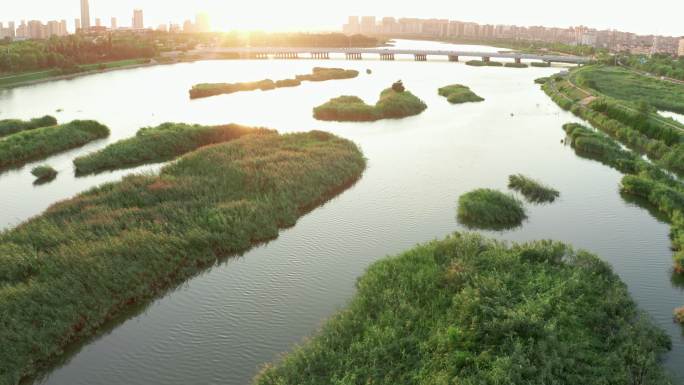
<point>394,103</point>
<point>319,74</point>
<point>482,63</point>
<point>22,147</point>
<point>469,310</point>
<point>43,174</point>
<point>12,126</point>
<point>489,209</point>
<point>457,93</point>
<point>532,190</point>
<point>159,144</point>
<point>86,259</point>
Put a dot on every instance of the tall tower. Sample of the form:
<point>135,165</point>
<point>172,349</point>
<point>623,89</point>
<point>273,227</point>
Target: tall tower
<point>138,19</point>
<point>85,14</point>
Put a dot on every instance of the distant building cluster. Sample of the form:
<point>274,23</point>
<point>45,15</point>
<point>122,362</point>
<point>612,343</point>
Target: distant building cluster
<point>34,29</point>
<point>581,35</point>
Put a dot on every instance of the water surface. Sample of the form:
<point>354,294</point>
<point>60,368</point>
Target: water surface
<point>221,326</point>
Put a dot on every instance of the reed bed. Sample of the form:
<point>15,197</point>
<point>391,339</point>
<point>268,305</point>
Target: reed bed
<point>159,144</point>
<point>87,259</point>
<point>469,310</point>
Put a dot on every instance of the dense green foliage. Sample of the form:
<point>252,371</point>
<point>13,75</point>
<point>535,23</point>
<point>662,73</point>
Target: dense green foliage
<point>12,126</point>
<point>158,144</point>
<point>533,190</point>
<point>482,63</point>
<point>457,93</point>
<point>646,134</point>
<point>318,74</point>
<point>468,310</point>
<point>516,65</point>
<point>67,53</point>
<point>64,273</point>
<point>625,85</point>
<point>490,210</point>
<point>44,172</point>
<point>22,147</point>
<point>391,105</point>
<point>658,64</point>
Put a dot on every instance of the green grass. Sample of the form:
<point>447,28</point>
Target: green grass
<point>489,209</point>
<point>87,259</point>
<point>20,148</point>
<point>468,310</point>
<point>9,80</point>
<point>628,86</point>
<point>391,105</point>
<point>534,191</point>
<point>12,126</point>
<point>113,64</point>
<point>44,173</point>
<point>318,74</point>
<point>159,144</point>
<point>457,93</point>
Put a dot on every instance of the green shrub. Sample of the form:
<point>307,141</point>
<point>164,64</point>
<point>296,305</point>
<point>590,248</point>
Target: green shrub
<point>457,93</point>
<point>12,126</point>
<point>39,143</point>
<point>391,105</point>
<point>533,190</point>
<point>320,74</point>
<point>476,63</point>
<point>541,80</point>
<point>490,210</point>
<point>44,172</point>
<point>468,310</point>
<point>516,65</point>
<point>88,259</point>
<point>540,64</point>
<point>288,83</point>
<point>159,144</point>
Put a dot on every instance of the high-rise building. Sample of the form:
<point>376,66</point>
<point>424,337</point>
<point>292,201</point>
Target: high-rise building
<point>63,28</point>
<point>52,28</point>
<point>138,19</point>
<point>188,27</point>
<point>22,31</point>
<point>680,52</point>
<point>35,30</point>
<point>77,25</point>
<point>202,23</point>
<point>98,22</point>
<point>13,31</point>
<point>368,24</point>
<point>114,23</point>
<point>85,14</point>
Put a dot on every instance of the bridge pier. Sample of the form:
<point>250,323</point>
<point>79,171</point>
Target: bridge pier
<point>517,60</point>
<point>420,57</point>
<point>453,58</point>
<point>320,55</point>
<point>259,55</point>
<point>386,56</point>
<point>485,59</point>
<point>353,56</point>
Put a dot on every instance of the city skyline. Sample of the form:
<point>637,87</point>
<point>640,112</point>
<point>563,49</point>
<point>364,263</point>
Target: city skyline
<point>634,18</point>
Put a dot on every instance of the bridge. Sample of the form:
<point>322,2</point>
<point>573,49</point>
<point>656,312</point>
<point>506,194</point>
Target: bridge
<point>382,54</point>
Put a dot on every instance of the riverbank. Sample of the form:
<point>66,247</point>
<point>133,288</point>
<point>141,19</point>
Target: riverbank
<point>87,259</point>
<point>471,310</point>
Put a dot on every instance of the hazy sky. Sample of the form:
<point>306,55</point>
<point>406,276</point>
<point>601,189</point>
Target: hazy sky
<point>665,17</point>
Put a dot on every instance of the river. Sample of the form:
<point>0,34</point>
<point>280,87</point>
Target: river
<point>222,325</point>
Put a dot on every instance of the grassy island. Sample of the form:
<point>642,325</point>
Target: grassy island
<point>44,173</point>
<point>12,126</point>
<point>20,148</point>
<point>482,63</point>
<point>457,93</point>
<point>489,209</point>
<point>516,65</point>
<point>469,310</point>
<point>318,74</point>
<point>85,260</point>
<point>391,105</point>
<point>540,64</point>
<point>159,144</point>
<point>533,190</point>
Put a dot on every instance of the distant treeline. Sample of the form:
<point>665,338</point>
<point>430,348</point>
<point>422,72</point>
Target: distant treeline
<point>658,64</point>
<point>66,53</point>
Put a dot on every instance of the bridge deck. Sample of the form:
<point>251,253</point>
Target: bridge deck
<point>392,51</point>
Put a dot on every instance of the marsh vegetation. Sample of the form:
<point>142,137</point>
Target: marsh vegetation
<point>391,105</point>
<point>457,93</point>
<point>65,272</point>
<point>534,191</point>
<point>469,310</point>
<point>12,126</point>
<point>158,144</point>
<point>489,209</point>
